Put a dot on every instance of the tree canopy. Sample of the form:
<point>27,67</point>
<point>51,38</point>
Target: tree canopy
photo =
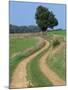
<point>45,18</point>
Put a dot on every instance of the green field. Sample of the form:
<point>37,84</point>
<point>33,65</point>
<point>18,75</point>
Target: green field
<point>21,44</point>
<point>34,74</point>
<point>59,32</point>
<point>57,63</point>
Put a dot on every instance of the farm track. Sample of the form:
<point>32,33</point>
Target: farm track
<point>19,79</point>
<point>50,74</point>
<point>19,76</point>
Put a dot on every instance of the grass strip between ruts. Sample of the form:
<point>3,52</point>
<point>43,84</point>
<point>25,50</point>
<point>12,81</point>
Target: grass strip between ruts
<point>34,74</point>
<point>18,58</point>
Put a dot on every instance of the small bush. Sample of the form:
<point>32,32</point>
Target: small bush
<point>56,43</point>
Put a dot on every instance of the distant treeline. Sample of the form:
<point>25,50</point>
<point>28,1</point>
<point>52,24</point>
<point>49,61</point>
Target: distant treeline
<point>24,29</point>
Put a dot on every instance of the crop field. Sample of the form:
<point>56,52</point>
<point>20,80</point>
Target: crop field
<point>33,57</point>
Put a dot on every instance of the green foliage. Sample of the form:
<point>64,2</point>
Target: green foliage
<point>23,29</point>
<point>45,18</point>
<point>56,43</point>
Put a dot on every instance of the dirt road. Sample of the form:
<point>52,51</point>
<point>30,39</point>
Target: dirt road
<point>50,74</point>
<point>19,79</point>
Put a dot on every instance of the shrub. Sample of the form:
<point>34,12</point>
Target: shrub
<point>56,43</point>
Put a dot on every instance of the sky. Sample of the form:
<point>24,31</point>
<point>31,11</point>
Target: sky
<point>23,13</point>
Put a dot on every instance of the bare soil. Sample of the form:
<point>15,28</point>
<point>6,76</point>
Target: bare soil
<point>50,74</point>
<point>19,79</point>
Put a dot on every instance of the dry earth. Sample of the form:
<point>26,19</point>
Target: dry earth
<point>50,74</point>
<point>19,79</point>
<point>19,76</point>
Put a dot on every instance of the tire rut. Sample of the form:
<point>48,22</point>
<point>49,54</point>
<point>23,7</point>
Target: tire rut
<point>19,79</point>
<point>50,74</point>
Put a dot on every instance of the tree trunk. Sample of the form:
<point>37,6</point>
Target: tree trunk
<point>44,33</point>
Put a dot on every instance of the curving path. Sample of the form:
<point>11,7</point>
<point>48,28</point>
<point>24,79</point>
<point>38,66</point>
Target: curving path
<point>19,79</point>
<point>50,74</point>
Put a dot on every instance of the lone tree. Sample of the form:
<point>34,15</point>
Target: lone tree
<point>45,18</point>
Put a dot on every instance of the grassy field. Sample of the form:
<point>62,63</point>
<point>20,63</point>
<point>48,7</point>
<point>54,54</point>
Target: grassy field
<point>57,32</point>
<point>21,44</point>
<point>34,74</point>
<point>26,46</point>
<point>57,63</point>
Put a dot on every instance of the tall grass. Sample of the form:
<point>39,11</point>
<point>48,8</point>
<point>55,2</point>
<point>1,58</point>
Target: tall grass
<point>57,63</point>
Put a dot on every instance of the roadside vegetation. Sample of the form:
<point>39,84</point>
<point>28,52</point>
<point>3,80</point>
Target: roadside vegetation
<point>26,47</point>
<point>57,63</point>
<point>34,74</point>
<point>25,42</point>
<point>21,44</point>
